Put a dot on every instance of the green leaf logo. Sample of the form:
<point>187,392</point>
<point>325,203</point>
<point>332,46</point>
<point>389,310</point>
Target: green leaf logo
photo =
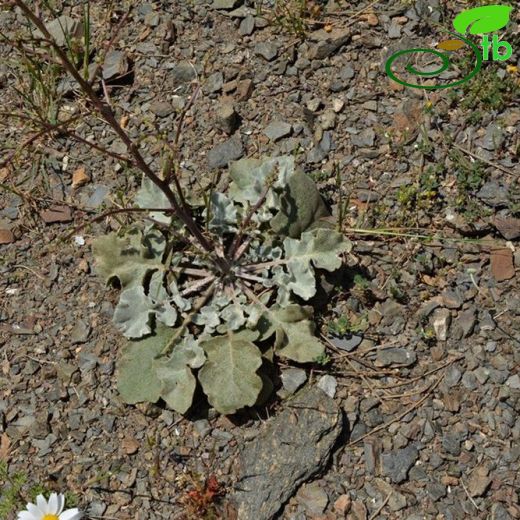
<point>481,20</point>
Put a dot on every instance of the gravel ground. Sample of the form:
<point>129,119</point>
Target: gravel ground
<point>423,326</point>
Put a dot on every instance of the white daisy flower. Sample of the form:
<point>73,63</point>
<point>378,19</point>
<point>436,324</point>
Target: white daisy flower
<point>51,510</point>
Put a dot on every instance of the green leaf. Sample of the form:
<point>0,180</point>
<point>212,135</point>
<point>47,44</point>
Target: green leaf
<point>229,376</point>
<point>250,177</point>
<point>164,312</point>
<point>294,331</point>
<point>150,196</point>
<point>483,19</point>
<point>223,214</point>
<point>137,379</point>
<point>301,207</point>
<point>319,247</point>
<point>132,313</point>
<point>129,258</point>
<point>177,380</point>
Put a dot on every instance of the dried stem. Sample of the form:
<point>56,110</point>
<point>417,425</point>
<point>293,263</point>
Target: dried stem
<point>107,114</point>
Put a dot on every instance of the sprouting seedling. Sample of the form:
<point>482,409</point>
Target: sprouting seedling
<point>483,19</point>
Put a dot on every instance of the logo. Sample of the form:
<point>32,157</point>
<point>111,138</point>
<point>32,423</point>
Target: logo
<point>479,20</point>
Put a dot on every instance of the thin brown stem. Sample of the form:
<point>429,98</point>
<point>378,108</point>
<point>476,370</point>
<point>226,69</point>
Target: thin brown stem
<point>107,114</point>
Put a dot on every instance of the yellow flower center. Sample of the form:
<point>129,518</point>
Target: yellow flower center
<point>51,517</point>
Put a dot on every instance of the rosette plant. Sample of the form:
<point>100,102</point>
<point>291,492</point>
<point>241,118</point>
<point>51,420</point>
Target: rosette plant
<point>214,314</point>
<point>212,289</point>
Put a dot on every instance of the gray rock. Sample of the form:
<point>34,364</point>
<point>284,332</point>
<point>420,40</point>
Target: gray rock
<point>161,108</point>
<point>227,119</point>
<point>182,72</point>
<point>397,463</point>
<point>277,129</point>
<point>514,382</point>
<point>451,443</point>
<point>247,26</point>
<point>508,227</point>
<point>499,512</point>
<point>115,65</point>
<point>464,324</point>
<point>214,82</point>
<point>347,72</point>
<point>98,196</point>
<point>494,137</point>
<point>80,332</point>
<point>222,154</point>
<point>452,299</point>
<point>364,138</point>
<point>295,446</point>
<point>395,356</point>
<point>268,50</point>
<point>494,194</point>
<point>347,343</point>
<point>453,376</point>
<point>313,498</point>
<point>293,378</point>
<point>441,323</point>
<point>328,384</point>
<point>225,4</point>
<point>202,427</point>
<point>63,29</point>
<point>326,43</point>
<point>394,31</point>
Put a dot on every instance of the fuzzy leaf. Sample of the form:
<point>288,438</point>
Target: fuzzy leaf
<point>484,19</point>
<point>132,313</point>
<point>301,207</point>
<point>137,379</point>
<point>150,196</point>
<point>223,213</point>
<point>129,258</point>
<point>250,178</point>
<point>319,247</point>
<point>229,376</point>
<point>177,380</point>
<point>164,312</point>
<point>294,332</point>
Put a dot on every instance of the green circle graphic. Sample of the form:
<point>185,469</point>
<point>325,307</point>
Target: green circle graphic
<point>445,64</point>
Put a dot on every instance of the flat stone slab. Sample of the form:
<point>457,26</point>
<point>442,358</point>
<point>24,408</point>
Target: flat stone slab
<point>295,446</point>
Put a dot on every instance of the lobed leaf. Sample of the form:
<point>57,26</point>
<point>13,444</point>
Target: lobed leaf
<point>150,196</point>
<point>229,377</point>
<point>178,383</point>
<point>319,247</point>
<point>129,258</point>
<point>294,332</point>
<point>137,379</point>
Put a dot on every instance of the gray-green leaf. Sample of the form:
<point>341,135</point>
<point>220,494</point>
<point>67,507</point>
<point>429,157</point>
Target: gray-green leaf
<point>132,313</point>
<point>319,247</point>
<point>128,258</point>
<point>294,332</point>
<point>229,377</point>
<point>177,380</point>
<point>137,379</point>
<point>223,213</point>
<point>150,196</point>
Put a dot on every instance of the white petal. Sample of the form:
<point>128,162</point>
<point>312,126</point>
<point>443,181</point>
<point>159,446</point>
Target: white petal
<point>41,503</point>
<point>61,503</point>
<point>52,506</point>
<point>25,515</point>
<point>71,514</point>
<point>35,511</point>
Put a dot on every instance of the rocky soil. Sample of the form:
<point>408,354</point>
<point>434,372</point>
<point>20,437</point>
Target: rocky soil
<point>416,415</point>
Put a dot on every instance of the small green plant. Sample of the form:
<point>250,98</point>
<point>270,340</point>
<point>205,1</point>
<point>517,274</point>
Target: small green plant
<point>323,359</point>
<point>291,16</point>
<point>213,284</point>
<point>191,312</point>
